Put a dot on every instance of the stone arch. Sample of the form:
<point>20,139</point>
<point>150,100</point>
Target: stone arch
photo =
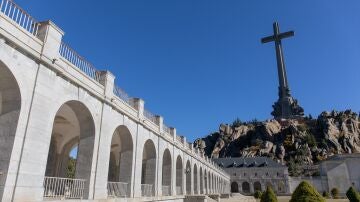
<point>148,170</point>
<point>188,172</point>
<point>166,173</point>
<point>257,186</point>
<point>179,175</point>
<point>196,191</point>
<point>71,145</point>
<point>245,187</point>
<point>10,106</point>
<point>120,163</point>
<point>201,181</point>
<point>234,187</point>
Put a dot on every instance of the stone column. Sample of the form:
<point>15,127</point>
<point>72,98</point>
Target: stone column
<point>107,79</point>
<point>160,121</point>
<point>51,35</point>
<point>139,105</point>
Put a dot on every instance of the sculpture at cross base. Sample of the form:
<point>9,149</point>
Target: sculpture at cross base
<point>286,106</point>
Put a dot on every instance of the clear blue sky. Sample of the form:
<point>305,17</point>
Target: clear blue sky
<point>200,63</point>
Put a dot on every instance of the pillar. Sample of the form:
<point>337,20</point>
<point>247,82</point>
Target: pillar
<point>107,79</point>
<point>51,35</point>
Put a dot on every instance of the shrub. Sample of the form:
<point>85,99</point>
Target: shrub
<point>306,192</point>
<point>335,193</point>
<point>258,194</point>
<point>268,195</point>
<point>353,195</point>
<point>326,194</point>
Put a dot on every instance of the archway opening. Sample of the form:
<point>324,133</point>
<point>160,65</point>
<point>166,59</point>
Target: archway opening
<point>234,187</point>
<point>68,167</point>
<point>245,187</point>
<point>188,178</point>
<point>10,105</point>
<point>179,176</point>
<point>148,169</point>
<point>281,187</point>
<point>196,191</point>
<point>257,186</point>
<point>166,173</point>
<point>120,164</point>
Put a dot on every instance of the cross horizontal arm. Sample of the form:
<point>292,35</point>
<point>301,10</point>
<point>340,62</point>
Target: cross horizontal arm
<point>267,39</point>
<point>286,34</point>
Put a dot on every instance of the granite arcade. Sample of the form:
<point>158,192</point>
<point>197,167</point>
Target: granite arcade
<point>52,100</point>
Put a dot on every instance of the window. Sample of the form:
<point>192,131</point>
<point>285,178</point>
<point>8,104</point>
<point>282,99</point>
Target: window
<point>255,174</point>
<point>234,174</point>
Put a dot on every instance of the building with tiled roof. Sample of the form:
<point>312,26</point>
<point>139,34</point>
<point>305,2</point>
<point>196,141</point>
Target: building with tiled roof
<point>249,174</point>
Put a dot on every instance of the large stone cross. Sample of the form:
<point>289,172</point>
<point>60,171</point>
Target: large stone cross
<point>283,83</point>
<point>286,106</point>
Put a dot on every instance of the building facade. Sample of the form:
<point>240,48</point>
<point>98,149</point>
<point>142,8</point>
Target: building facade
<point>339,171</point>
<point>248,175</point>
<point>54,102</point>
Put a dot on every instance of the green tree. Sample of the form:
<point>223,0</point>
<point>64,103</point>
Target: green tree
<point>236,123</point>
<point>258,194</point>
<point>294,168</point>
<point>305,192</point>
<point>71,168</point>
<point>353,195</point>
<point>335,193</point>
<point>310,139</point>
<point>268,195</point>
<point>326,194</point>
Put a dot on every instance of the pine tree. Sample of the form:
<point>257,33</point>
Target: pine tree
<point>305,192</point>
<point>268,196</point>
<point>353,195</point>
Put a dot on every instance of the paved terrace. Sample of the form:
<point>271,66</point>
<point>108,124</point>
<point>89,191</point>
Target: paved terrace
<point>53,100</point>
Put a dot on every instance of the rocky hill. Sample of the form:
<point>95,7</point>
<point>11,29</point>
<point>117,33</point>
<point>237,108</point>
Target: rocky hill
<point>297,142</point>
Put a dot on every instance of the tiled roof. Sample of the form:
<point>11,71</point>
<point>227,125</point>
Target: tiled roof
<point>241,162</point>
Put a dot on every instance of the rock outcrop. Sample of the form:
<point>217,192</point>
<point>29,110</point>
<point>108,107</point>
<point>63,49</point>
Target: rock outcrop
<point>303,140</point>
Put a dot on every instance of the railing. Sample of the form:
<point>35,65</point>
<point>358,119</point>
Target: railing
<point>63,188</point>
<point>18,15</point>
<point>150,116</point>
<point>74,58</point>
<point>179,190</point>
<point>124,96</point>
<point>146,190</point>
<point>166,190</point>
<point>166,129</point>
<point>117,189</point>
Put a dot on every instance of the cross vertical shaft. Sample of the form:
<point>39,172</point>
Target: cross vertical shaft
<point>283,84</point>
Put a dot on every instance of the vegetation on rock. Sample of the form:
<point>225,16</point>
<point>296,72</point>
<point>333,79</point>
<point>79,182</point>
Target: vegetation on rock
<point>268,196</point>
<point>305,192</point>
<point>299,143</point>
